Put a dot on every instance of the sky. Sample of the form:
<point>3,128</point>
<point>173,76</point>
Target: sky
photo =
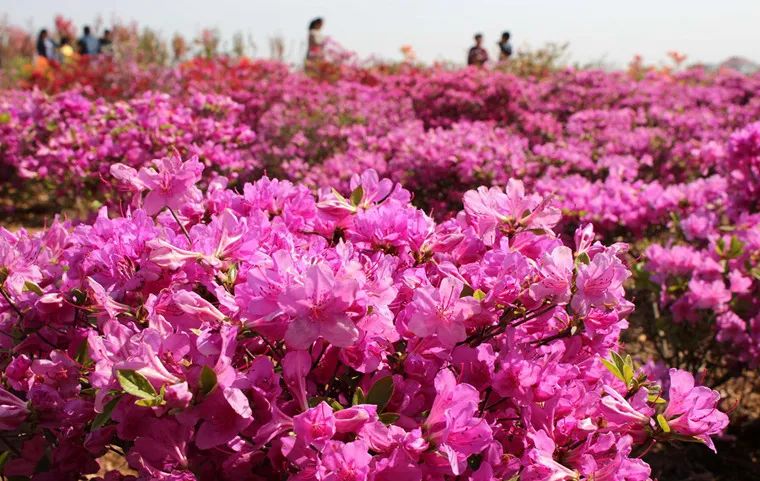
<point>598,31</point>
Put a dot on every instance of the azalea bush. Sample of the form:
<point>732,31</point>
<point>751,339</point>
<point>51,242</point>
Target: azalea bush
<point>665,161</point>
<point>271,333</point>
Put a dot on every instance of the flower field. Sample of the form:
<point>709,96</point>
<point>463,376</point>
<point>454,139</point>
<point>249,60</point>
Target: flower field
<point>228,269</point>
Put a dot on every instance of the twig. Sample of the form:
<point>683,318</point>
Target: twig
<point>10,302</point>
<point>181,225</point>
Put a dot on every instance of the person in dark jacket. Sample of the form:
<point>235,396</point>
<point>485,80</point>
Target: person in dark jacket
<point>477,55</point>
<point>106,42</point>
<point>46,47</point>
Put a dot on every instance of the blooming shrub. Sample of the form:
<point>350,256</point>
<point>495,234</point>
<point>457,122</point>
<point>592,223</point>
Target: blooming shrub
<point>664,161</point>
<point>272,334</point>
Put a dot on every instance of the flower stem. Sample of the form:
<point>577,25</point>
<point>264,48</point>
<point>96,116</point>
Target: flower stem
<point>181,225</point>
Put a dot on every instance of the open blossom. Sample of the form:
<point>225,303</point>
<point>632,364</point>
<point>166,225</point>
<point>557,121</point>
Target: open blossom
<point>171,185</point>
<point>319,308</point>
<point>600,283</point>
<point>346,461</point>
<point>491,209</point>
<point>442,312</point>
<point>693,410</point>
<point>13,411</point>
<point>453,425</point>
<point>316,426</point>
<point>557,271</point>
<point>711,295</point>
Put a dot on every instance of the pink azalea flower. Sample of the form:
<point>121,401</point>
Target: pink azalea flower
<point>346,461</point>
<point>453,424</point>
<point>600,283</point>
<point>172,185</point>
<point>315,426</point>
<point>13,411</point>
<point>319,308</point>
<point>693,410</point>
<point>441,312</point>
<point>557,271</point>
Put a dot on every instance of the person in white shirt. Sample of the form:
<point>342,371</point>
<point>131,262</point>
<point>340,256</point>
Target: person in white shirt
<point>316,40</point>
<point>505,48</point>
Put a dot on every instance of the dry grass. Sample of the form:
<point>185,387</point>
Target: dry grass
<point>113,462</point>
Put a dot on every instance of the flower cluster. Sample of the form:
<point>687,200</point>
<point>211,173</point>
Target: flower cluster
<point>70,141</point>
<point>272,334</point>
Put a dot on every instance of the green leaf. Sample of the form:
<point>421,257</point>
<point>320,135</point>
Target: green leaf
<point>613,369</point>
<point>357,195</point>
<point>313,402</point>
<point>207,380</point>
<point>466,291</point>
<point>102,418</point>
<point>655,398</point>
<point>628,371</point>
<point>475,461</point>
<point>381,393</point>
<point>735,249</point>
<point>338,195</point>
<point>479,295</point>
<point>83,354</point>
<point>32,287</point>
<point>151,402</point>
<point>663,423</point>
<point>720,246</point>
<point>5,117</point>
<point>583,258</point>
<point>358,397</point>
<point>389,418</point>
<point>619,362</point>
<point>135,384</point>
<point>232,274</point>
<point>755,272</point>
<point>3,459</point>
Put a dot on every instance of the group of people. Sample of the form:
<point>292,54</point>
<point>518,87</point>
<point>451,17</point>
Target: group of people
<point>478,56</point>
<point>87,44</point>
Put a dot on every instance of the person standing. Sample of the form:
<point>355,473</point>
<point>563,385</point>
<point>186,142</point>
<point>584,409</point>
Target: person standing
<point>315,48</point>
<point>66,50</point>
<point>477,55</point>
<point>505,48</point>
<point>46,47</point>
<point>105,42</point>
<point>88,43</point>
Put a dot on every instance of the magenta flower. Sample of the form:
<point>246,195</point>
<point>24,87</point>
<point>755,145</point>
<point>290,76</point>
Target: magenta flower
<point>172,185</point>
<point>441,312</point>
<point>557,271</point>
<point>600,283</point>
<point>693,410</point>
<point>346,461</point>
<point>490,210</point>
<point>319,308</point>
<point>453,424</point>
<point>315,426</point>
<point>13,411</point>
